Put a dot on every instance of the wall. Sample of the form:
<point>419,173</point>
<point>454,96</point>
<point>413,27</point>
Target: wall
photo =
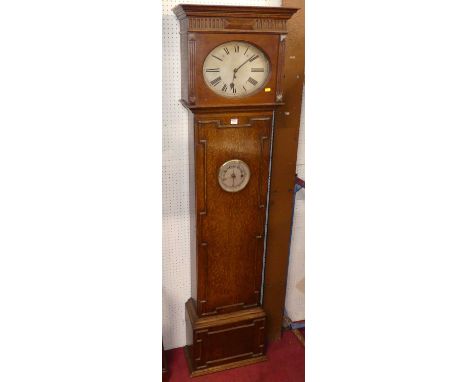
<point>175,248</point>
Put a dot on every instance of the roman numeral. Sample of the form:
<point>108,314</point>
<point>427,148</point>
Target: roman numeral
<point>226,50</point>
<point>232,86</point>
<point>216,57</point>
<point>253,58</point>
<point>244,88</point>
<point>252,81</point>
<point>246,51</point>
<point>216,81</point>
<point>224,88</point>
<point>236,49</point>
<point>234,91</point>
<point>214,70</point>
<point>257,70</point>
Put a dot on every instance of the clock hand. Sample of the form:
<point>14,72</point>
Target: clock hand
<point>241,65</point>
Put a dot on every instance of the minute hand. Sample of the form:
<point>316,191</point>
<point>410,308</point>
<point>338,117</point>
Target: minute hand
<point>236,69</point>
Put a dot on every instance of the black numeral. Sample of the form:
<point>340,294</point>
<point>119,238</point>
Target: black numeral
<point>246,51</point>
<point>216,57</point>
<point>236,49</point>
<point>233,88</point>
<point>226,50</point>
<point>252,81</point>
<point>216,81</point>
<point>253,58</point>
<point>257,70</point>
<point>214,70</point>
<point>224,88</point>
<point>244,88</point>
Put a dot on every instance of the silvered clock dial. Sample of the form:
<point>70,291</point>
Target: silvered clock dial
<point>236,69</point>
<point>233,175</point>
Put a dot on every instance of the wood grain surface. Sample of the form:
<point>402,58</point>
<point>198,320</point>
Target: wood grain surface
<point>230,226</point>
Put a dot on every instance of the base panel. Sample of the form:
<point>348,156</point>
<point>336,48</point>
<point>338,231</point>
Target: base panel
<point>224,341</point>
<point>215,369</point>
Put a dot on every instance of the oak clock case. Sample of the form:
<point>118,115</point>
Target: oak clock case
<point>232,61</point>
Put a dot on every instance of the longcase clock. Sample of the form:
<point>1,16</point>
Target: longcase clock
<point>232,69</point>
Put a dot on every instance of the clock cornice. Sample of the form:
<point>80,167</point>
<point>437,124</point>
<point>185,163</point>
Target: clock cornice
<point>232,19</point>
<point>195,10</point>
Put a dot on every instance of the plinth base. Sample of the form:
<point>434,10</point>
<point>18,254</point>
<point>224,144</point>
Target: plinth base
<point>214,369</point>
<point>224,341</point>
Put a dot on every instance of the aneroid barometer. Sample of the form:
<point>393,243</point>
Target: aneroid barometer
<point>231,81</point>
<point>234,175</point>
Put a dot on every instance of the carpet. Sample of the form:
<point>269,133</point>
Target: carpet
<point>285,364</point>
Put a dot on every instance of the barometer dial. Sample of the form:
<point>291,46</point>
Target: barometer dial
<point>233,175</point>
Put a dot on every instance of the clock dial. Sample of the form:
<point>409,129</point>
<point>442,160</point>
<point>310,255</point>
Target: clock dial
<point>236,69</point>
<point>233,175</point>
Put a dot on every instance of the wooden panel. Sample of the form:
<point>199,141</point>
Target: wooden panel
<point>225,340</point>
<point>238,348</point>
<point>287,122</point>
<point>230,225</point>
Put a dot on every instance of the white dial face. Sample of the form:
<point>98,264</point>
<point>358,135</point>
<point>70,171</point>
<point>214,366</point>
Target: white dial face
<point>236,69</point>
<point>233,175</point>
